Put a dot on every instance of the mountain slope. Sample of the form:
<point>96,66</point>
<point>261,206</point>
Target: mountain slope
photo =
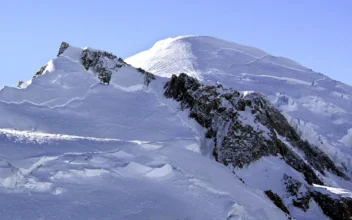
<point>244,128</point>
<point>92,137</point>
<point>73,147</point>
<point>318,107</point>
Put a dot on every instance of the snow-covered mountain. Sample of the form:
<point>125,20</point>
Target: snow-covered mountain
<point>319,108</point>
<point>91,137</point>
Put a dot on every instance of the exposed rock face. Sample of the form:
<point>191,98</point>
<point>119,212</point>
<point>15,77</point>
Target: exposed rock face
<point>63,47</point>
<point>227,115</point>
<point>104,63</point>
<point>277,201</point>
<point>336,209</point>
<point>245,128</point>
<point>19,84</point>
<point>275,121</point>
<point>302,201</point>
<point>100,62</point>
<point>294,93</point>
<point>292,185</point>
<point>41,71</point>
<point>298,192</point>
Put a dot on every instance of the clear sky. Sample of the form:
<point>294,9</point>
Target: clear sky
<point>316,33</point>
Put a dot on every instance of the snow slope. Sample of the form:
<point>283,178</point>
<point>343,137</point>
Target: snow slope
<point>65,177</point>
<point>318,107</point>
<point>73,148</point>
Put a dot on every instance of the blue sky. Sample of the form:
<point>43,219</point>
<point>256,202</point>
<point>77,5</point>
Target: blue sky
<point>316,33</point>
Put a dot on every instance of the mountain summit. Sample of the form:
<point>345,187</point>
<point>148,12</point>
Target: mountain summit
<point>91,137</point>
<point>195,54</point>
<point>318,107</point>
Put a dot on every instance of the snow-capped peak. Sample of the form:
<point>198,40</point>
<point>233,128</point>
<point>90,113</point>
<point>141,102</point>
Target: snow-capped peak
<point>73,53</point>
<point>139,146</point>
<point>191,54</point>
<point>207,42</point>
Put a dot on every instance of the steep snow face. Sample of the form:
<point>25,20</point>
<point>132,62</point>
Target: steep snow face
<point>86,150</point>
<point>317,106</point>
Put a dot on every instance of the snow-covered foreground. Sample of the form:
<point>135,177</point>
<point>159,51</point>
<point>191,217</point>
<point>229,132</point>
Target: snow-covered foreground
<point>58,177</point>
<point>318,107</point>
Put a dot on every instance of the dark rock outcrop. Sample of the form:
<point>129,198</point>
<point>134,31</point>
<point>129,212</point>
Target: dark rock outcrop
<point>41,71</point>
<point>275,121</point>
<point>245,128</point>
<point>104,63</point>
<point>302,201</point>
<point>277,201</point>
<point>97,60</point>
<point>19,84</point>
<point>62,48</point>
<point>223,113</point>
<point>335,208</point>
<point>300,198</point>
